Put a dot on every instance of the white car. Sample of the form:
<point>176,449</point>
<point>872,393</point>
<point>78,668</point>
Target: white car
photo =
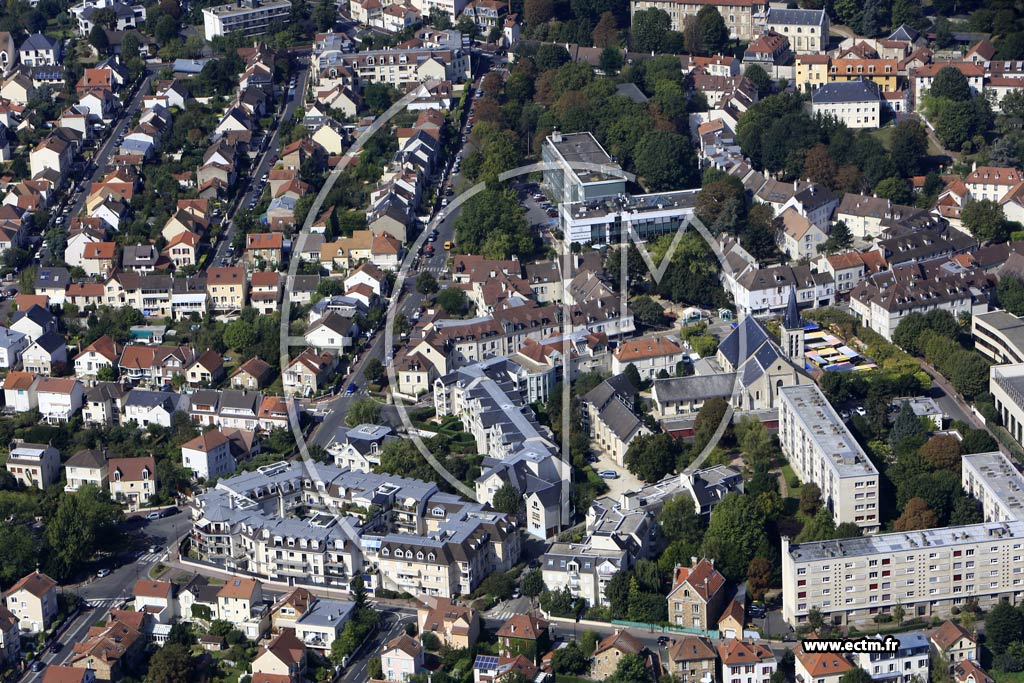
<point>101,573</point>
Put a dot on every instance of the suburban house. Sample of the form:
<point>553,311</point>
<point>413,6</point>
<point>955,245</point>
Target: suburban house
<point>132,480</point>
<point>697,596</point>
<point>88,466</point>
<point>456,626</point>
<point>34,465</point>
<point>33,600</point>
<point>402,658</point>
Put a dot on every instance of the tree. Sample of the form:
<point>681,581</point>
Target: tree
<point>714,35</point>
<point>942,452</point>
<point>1010,292</point>
<point>896,190</point>
<point>649,29</point>
<point>508,499</point>
<point>950,84</point>
<point>98,39</point>
<point>373,371</point>
<point>453,301</point>
<point>239,335</point>
<point>909,147</point>
<point>652,456</point>
<point>678,520</point>
<point>810,499</point>
<point>611,60</point>
<point>77,527</point>
<point>735,534</point>
<point>856,675</point>
<point>606,33</point>
<point>363,410</point>
<point>666,161</point>
<point>759,577</point>
<point>374,669</point>
<point>839,239</point>
<point>916,515</point>
<point>532,584</point>
<point>569,660</point>
<point>648,312</point>
<point>170,664</point>
<point>1012,103</point>
<point>357,589</point>
<point>537,12</point>
<point>760,78</point>
<point>426,283</point>
<point>906,426</point>
<point>630,669</point>
<point>1003,625</point>
<point>985,219</point>
<point>549,56</point>
<point>898,614</point>
<point>588,642</point>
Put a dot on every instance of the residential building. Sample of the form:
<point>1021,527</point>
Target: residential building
<point>251,17</point>
<point>39,50</point>
<point>112,650</point>
<point>611,423</point>
<point>692,659</point>
<point>611,649</point>
<point>33,600</point>
<point>992,480</point>
<point>806,29</point>
<point>698,595</point>
<point>10,637</point>
<point>909,663</point>
<point>282,660</point>
<point>157,599</point>
<point>227,288</point>
<point>208,455</point>
<point>743,18</point>
<point>87,466</point>
<point>21,391</point>
<point>952,643</point>
<point>748,662</point>
<point>651,356</point>
<point>456,626</point>
<point>858,104</point>
<point>402,658</point>
<point>102,353</point>
<point>12,344</point>
<point>132,480</point>
<point>46,356</point>
<point>33,465</point>
<point>822,450</point>
<point>798,237</point>
<point>317,622</point>
<point>820,667</point>
<point>523,634</point>
<point>999,336</point>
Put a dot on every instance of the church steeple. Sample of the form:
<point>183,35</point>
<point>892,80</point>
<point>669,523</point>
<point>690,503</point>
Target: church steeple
<point>792,332</point>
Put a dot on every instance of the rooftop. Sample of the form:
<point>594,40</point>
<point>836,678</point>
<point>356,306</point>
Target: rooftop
<point>828,431</point>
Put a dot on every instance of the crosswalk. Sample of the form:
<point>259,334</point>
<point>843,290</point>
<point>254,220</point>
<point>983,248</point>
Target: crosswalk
<point>101,605</point>
<point>503,615</point>
<point>149,558</point>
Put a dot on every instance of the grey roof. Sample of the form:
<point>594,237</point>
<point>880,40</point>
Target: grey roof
<point>240,400</point>
<point>139,255</point>
<point>38,41</point>
<point>791,319</point>
<point>51,277</point>
<point>631,91</point>
<point>91,458</point>
<point>694,387</point>
<point>104,391</point>
<point>10,338</point>
<point>151,399</point>
<point>751,333</point>
<point>620,420</point>
<point>804,17</point>
<point>846,91</point>
<point>37,314</point>
<point>325,612</point>
<point>906,33</point>
<point>50,342</point>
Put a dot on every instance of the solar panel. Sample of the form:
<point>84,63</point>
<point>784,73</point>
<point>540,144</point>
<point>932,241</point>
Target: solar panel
<point>485,662</point>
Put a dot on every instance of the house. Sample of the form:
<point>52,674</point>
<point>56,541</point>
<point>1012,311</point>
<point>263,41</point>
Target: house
<point>806,29</point>
<point>253,375</point>
<point>798,237</point>
<point>748,662</point>
<point>53,153</point>
<point>282,660</point>
<point>733,619</point>
<point>317,622</point>
<point>523,634</point>
<point>103,403</point>
<point>692,659</point>
<point>46,355</point>
<point>227,288</point>
<point>12,344</point>
<point>488,669</point>
<point>697,596</point>
<point>103,352</point>
<point>34,465</point>
<point>402,658</point>
<point>651,356</point>
<point>39,50</point>
<point>141,258</point>
<point>952,643</point>
<point>969,672</point>
<point>207,369</point>
<point>21,391</point>
<point>33,600</point>
<point>110,650</point>
<point>308,373</point>
<point>820,667</point>
<point>238,598</point>
<point>154,365</point>
<point>156,598</point>
<point>98,258</point>
<point>34,322</point>
<point>182,249</point>
<point>910,661</point>
<point>456,626</point>
<point>144,407</point>
<point>264,250</point>
<point>332,332</point>
<point>133,480</point>
<point>611,423</point>
<point>59,398</point>
<point>610,651</point>
<point>87,466</point>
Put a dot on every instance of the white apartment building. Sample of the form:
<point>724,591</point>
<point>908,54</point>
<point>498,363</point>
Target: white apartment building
<point>743,18</point>
<point>611,220</point>
<point>999,336</point>
<point>1006,383</point>
<point>251,17</point>
<point>821,450</point>
<point>995,482</point>
<point>858,104</point>
<point>806,29</point>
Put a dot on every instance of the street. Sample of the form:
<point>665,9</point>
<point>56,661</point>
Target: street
<point>268,157</point>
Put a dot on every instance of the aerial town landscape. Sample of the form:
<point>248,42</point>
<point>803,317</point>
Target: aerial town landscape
<point>527,341</point>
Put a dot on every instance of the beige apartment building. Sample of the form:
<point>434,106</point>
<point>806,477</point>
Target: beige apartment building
<point>821,450</point>
<point>227,288</point>
<point>743,18</point>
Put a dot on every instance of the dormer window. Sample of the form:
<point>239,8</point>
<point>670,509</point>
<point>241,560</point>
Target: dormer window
<point>384,552</point>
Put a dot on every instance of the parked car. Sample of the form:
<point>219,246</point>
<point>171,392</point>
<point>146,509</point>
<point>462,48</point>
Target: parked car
<point>38,665</point>
<point>103,572</point>
<point>663,640</point>
<point>57,646</point>
<point>608,474</point>
<point>153,515</point>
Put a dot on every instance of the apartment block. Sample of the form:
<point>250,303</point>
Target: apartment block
<point>821,450</point>
<point>999,336</point>
<point>927,572</point>
<point>1006,383</point>
<point>251,17</point>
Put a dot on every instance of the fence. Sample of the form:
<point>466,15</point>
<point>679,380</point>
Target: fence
<point>660,628</point>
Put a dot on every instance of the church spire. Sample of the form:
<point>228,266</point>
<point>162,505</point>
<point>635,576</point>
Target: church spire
<point>791,319</point>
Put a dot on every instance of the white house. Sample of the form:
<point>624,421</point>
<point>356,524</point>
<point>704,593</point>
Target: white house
<point>208,455</point>
<point>59,398</point>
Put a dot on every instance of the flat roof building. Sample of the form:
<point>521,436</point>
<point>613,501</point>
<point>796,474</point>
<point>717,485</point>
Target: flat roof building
<point>821,450</point>
<point>999,335</point>
<point>996,483</point>
<point>571,181</point>
<point>251,17</point>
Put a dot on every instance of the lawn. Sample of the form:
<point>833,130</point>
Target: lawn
<point>788,474</point>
